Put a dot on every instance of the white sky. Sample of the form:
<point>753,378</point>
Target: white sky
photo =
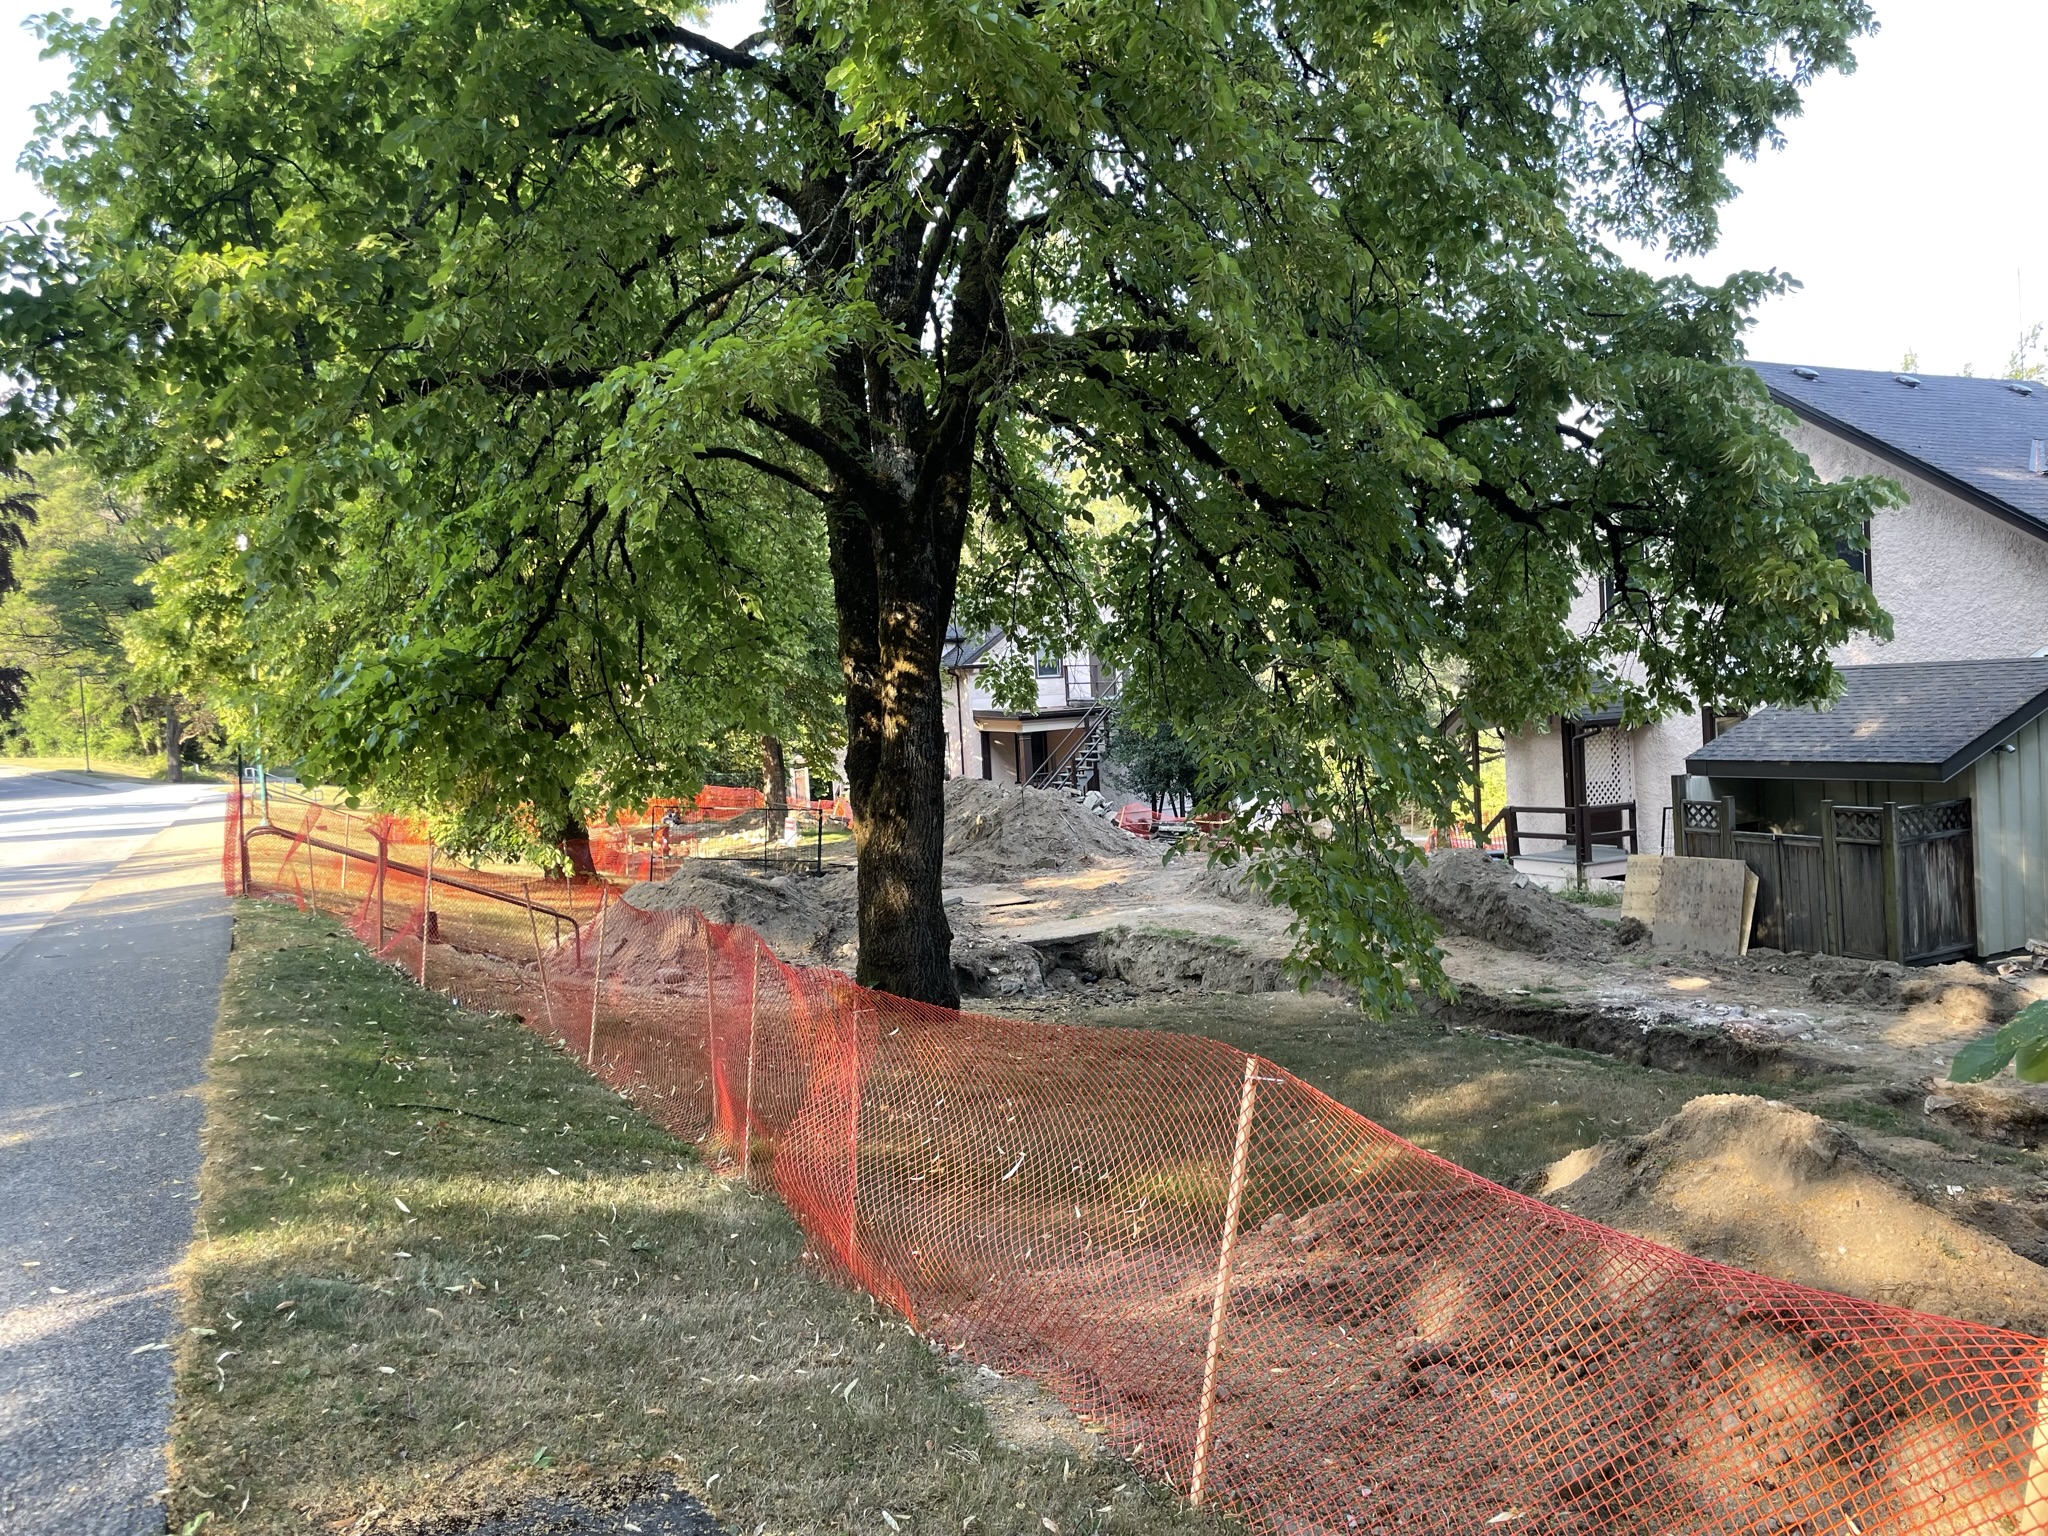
<point>1910,200</point>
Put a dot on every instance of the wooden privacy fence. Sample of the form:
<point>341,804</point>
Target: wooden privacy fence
<point>1877,882</point>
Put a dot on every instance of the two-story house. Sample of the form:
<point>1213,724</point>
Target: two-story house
<point>1962,568</point>
<point>1057,744</point>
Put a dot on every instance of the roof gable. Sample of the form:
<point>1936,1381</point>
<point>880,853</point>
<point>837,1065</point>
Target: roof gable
<point>1971,437</point>
<point>1922,721</point>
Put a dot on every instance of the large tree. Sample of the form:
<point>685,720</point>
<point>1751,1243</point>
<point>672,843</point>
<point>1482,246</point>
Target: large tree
<point>1288,334</point>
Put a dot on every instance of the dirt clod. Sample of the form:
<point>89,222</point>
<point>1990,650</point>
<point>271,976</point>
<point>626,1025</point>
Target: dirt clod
<point>1770,1188</point>
<point>1469,893</point>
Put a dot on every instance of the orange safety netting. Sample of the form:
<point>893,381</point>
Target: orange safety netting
<point>1260,1297</point>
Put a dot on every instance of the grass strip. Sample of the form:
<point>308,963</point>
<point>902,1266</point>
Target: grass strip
<point>443,1271</point>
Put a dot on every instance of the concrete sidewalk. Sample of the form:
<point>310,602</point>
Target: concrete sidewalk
<point>106,1018</point>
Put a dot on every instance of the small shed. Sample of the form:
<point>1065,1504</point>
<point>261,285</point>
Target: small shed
<point>1908,821</point>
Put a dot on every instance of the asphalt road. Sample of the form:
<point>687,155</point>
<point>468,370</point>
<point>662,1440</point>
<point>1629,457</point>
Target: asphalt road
<point>113,943</point>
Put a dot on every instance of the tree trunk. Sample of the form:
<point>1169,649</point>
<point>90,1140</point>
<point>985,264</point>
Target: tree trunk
<point>174,767</point>
<point>775,785</point>
<point>893,605</point>
<point>575,845</point>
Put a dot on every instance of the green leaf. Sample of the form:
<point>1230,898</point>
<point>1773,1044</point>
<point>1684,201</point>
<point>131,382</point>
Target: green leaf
<point>1980,1060</point>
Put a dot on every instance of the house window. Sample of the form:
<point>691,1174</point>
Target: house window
<point>1048,666</point>
<point>1856,554</point>
<point>1613,594</point>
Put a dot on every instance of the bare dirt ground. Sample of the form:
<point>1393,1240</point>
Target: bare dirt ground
<point>1570,1035</point>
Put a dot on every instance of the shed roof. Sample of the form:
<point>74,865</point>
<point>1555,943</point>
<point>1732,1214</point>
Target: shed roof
<point>1923,721</point>
<point>1971,437</point>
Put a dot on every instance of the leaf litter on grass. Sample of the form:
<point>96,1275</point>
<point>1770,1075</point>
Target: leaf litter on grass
<point>541,1297</point>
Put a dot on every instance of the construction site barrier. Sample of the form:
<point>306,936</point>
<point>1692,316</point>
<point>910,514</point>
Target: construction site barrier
<point>1256,1295</point>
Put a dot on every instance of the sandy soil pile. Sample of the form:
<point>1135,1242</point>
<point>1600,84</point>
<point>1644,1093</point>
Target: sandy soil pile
<point>1770,1188</point>
<point>996,832</point>
<point>1469,893</point>
<point>806,919</point>
<point>1227,882</point>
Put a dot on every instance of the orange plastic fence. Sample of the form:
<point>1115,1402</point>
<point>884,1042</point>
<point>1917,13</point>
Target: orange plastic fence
<point>1259,1296</point>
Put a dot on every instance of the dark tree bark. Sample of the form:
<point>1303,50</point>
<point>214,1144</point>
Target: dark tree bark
<point>775,785</point>
<point>174,738</point>
<point>901,468</point>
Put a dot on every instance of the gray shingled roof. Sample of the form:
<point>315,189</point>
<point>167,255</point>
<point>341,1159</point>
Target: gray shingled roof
<point>965,650</point>
<point>1971,437</point>
<point>1915,721</point>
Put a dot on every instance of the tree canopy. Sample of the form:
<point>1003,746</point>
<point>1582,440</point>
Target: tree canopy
<point>551,358</point>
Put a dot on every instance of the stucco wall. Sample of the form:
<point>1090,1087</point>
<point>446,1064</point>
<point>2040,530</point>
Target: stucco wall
<point>1535,770</point>
<point>1959,584</point>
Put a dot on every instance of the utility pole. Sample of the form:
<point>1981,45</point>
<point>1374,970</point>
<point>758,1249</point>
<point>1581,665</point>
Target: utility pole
<point>84,723</point>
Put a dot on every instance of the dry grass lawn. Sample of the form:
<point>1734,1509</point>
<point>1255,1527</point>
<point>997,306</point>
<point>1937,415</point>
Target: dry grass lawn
<point>443,1270</point>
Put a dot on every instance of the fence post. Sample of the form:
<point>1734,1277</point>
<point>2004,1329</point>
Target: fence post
<point>426,910</point>
<point>383,868</point>
<point>596,979</point>
<point>1728,827</point>
<point>2034,1502</point>
<point>1678,814</point>
<point>1894,937</point>
<point>1232,1205</point>
<point>747,1102</point>
<point>547,994</point>
<point>710,1026</point>
<point>1830,881</point>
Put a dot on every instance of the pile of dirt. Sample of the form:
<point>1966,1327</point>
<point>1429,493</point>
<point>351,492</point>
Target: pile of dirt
<point>1468,893</point>
<point>1770,1188</point>
<point>1229,882</point>
<point>998,832</point>
<point>806,919</point>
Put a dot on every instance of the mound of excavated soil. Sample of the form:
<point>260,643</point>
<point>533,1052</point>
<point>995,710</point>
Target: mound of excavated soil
<point>1773,1189</point>
<point>1468,893</point>
<point>1000,832</point>
<point>1228,882</point>
<point>806,919</point>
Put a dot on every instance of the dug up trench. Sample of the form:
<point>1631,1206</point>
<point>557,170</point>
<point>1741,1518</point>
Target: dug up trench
<point>1807,1129</point>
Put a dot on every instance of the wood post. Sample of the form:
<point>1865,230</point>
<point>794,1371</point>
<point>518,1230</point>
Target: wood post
<point>747,1102</point>
<point>1894,933</point>
<point>1678,814</point>
<point>426,911</point>
<point>2033,1511</point>
<point>1233,1204</point>
<point>1830,881</point>
<point>1728,827</point>
<point>383,868</point>
<point>596,979</point>
<point>547,994</point>
<point>710,1023</point>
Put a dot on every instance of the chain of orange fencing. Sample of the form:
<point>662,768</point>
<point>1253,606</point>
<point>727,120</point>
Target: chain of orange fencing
<point>1257,1295</point>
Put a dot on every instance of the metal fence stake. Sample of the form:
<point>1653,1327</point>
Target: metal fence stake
<point>547,993</point>
<point>596,979</point>
<point>1233,1204</point>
